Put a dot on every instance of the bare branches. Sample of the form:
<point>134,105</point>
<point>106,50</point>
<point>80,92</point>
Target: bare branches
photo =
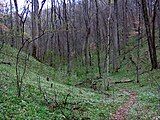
<point>42,4</point>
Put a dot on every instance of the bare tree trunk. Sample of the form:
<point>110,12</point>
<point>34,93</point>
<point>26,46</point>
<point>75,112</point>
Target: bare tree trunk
<point>11,25</point>
<point>98,38</point>
<point>56,33</point>
<point>108,37</point>
<point>107,49</point>
<point>158,20</point>
<point>55,18</point>
<point>150,35</point>
<point>34,27</point>
<point>47,34</point>
<point>20,75</point>
<point>107,54</point>
<point>117,24</point>
<point>125,22</point>
<point>138,6</point>
<point>86,19</point>
<point>75,30</point>
<point>115,43</point>
<point>67,37</point>
<point>40,40</point>
<point>17,23</point>
<point>52,29</point>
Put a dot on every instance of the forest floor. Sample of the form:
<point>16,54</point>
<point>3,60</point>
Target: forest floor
<point>123,110</point>
<point>61,99</point>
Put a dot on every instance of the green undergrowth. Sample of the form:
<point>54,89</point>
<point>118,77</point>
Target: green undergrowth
<point>81,103</point>
<point>148,89</point>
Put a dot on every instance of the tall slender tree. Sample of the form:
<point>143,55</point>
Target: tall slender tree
<point>116,39</point>
<point>86,44</point>
<point>67,37</point>
<point>158,19</point>
<point>98,41</point>
<point>17,23</point>
<point>34,30</point>
<point>150,31</point>
<point>11,25</point>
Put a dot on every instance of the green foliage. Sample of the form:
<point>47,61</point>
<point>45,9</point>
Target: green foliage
<point>90,104</point>
<point>32,104</point>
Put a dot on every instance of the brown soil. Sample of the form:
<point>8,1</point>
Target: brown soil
<point>122,112</point>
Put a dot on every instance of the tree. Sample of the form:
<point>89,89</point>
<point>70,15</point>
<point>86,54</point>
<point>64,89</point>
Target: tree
<point>98,39</point>
<point>17,22</point>
<point>107,54</point>
<point>67,37</point>
<point>138,29</point>
<point>158,19</point>
<point>21,28</point>
<point>125,22</point>
<point>34,27</point>
<point>40,41</point>
<point>11,25</point>
<point>86,44</point>
<point>150,33</point>
<point>116,39</point>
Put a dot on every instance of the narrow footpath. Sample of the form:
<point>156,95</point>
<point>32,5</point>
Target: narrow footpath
<point>122,112</point>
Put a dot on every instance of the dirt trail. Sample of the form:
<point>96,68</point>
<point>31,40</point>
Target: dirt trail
<point>122,112</point>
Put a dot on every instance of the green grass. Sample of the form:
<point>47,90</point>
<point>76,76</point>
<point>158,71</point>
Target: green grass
<point>148,90</point>
<point>32,105</point>
<point>90,104</point>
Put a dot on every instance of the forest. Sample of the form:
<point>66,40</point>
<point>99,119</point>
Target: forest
<point>79,59</point>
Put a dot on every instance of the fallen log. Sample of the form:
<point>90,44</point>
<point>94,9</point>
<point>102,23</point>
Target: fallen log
<point>88,81</point>
<point>123,81</point>
<point>6,63</point>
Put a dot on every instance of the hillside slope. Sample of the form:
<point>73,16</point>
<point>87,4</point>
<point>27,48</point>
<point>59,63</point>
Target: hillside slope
<point>55,99</point>
<point>73,103</point>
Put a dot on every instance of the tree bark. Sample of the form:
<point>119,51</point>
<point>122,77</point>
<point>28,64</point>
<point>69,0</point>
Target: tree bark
<point>11,25</point>
<point>17,22</point>
<point>158,20</point>
<point>150,35</point>
<point>34,27</point>
<point>98,41</point>
<point>116,41</point>
<point>67,37</point>
<point>86,20</point>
